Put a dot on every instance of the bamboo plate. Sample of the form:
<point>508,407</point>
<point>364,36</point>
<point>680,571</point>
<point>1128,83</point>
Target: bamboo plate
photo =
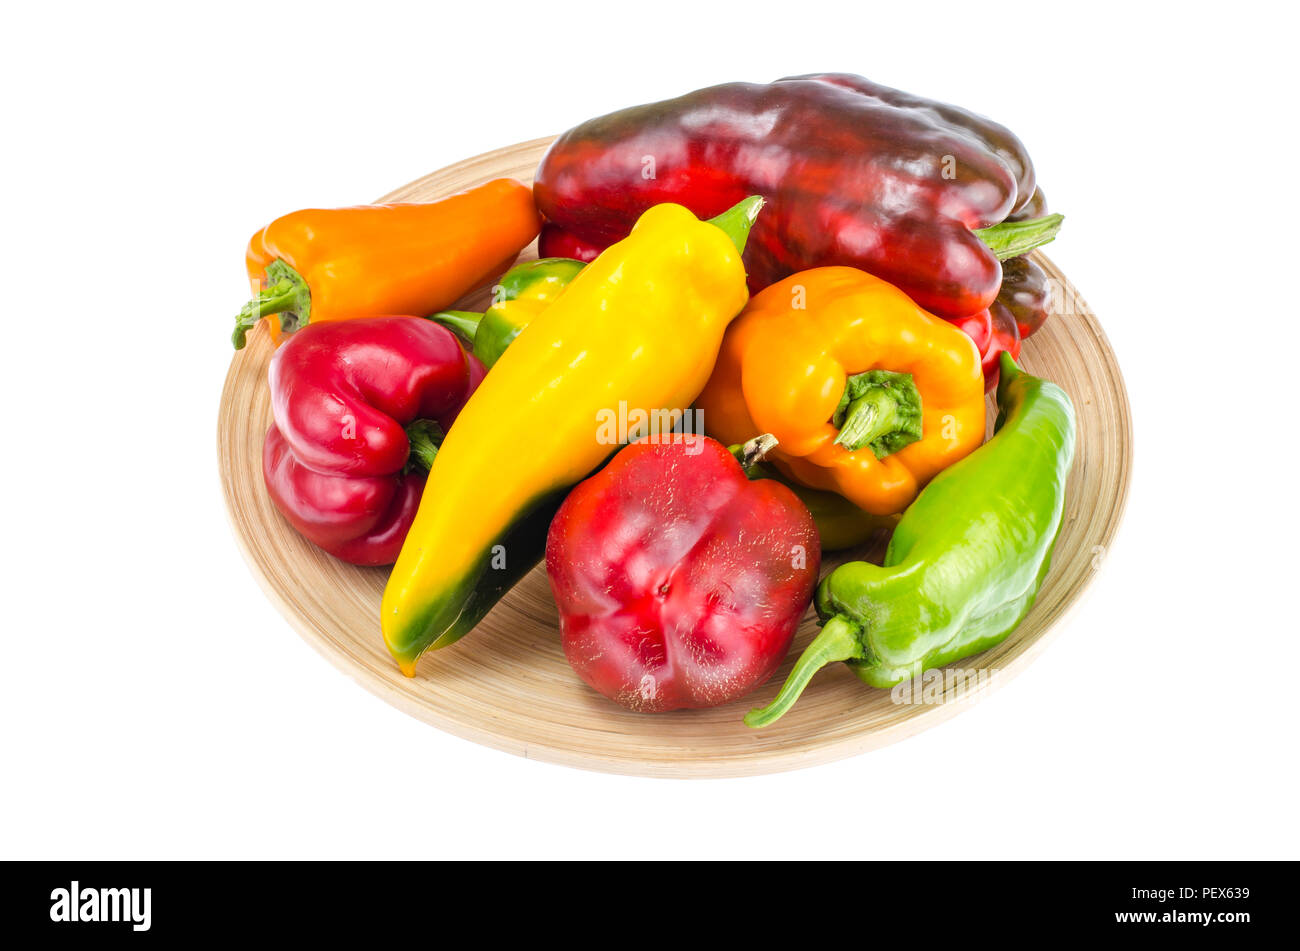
<point>508,685</point>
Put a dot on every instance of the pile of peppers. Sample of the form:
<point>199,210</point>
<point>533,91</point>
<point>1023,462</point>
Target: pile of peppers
<point>882,238</point>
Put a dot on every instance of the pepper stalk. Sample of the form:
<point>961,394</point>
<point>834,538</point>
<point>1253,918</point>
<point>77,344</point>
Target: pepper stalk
<point>841,639</point>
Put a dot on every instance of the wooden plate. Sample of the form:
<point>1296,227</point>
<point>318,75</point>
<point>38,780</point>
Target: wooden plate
<point>507,685</point>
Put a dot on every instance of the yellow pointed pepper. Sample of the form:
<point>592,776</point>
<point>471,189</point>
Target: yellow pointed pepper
<point>638,329</point>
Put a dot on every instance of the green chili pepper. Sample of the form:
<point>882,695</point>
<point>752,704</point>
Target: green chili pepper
<point>524,291</point>
<point>966,560</point>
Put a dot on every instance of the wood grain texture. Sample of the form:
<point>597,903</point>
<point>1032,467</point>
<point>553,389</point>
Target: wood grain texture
<point>507,685</point>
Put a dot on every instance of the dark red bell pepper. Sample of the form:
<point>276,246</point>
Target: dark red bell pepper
<point>565,244</point>
<point>360,407</point>
<point>1026,295</point>
<point>679,582</point>
<point>927,196</point>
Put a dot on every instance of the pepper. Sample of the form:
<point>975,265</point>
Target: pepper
<point>922,194</point>
<point>994,332</point>
<point>679,581</point>
<point>563,244</point>
<point>639,327</point>
<point>360,408</point>
<point>966,561</point>
<point>325,264</point>
<point>524,292</point>
<point>867,395</point>
<point>1026,296</point>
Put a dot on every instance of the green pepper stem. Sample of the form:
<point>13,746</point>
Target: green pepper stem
<point>279,297</point>
<point>736,221</point>
<point>751,453</point>
<point>425,436</point>
<point>1010,239</point>
<point>869,417</point>
<point>879,409</point>
<point>840,639</point>
<point>286,293</point>
<point>463,323</point>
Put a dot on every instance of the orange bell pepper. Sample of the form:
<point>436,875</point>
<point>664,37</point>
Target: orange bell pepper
<point>867,394</point>
<point>403,258</point>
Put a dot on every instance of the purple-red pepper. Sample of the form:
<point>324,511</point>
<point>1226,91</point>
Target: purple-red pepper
<point>926,196</point>
<point>680,582</point>
<point>360,408</point>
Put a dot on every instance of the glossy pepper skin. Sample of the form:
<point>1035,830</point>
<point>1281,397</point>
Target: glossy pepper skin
<point>679,582</point>
<point>788,365</point>
<point>522,293</point>
<point>359,408</point>
<point>1026,296</point>
<point>328,264</point>
<point>913,191</point>
<point>640,325</point>
<point>994,332</point>
<point>966,561</point>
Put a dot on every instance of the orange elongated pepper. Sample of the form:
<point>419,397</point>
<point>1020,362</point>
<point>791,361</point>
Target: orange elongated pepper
<point>403,258</point>
<point>868,395</point>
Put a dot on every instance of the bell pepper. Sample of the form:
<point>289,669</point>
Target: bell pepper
<point>563,244</point>
<point>360,408</point>
<point>1025,298</point>
<point>330,264</point>
<point>919,193</point>
<point>679,581</point>
<point>868,395</point>
<point>639,327</point>
<point>994,332</point>
<point>524,292</point>
<point>966,561</point>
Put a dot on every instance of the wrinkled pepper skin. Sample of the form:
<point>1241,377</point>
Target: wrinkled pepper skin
<point>328,264</point>
<point>966,560</point>
<point>641,324</point>
<point>522,293</point>
<point>855,174</point>
<point>337,461</point>
<point>679,581</point>
<point>786,364</point>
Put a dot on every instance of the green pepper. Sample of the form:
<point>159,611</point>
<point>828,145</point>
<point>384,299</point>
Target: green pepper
<point>966,560</point>
<point>524,291</point>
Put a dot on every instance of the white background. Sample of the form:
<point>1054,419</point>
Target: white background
<point>154,704</point>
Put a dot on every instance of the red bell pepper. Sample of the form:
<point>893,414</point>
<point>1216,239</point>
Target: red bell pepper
<point>360,407</point>
<point>564,244</point>
<point>993,331</point>
<point>924,195</point>
<point>679,582</point>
